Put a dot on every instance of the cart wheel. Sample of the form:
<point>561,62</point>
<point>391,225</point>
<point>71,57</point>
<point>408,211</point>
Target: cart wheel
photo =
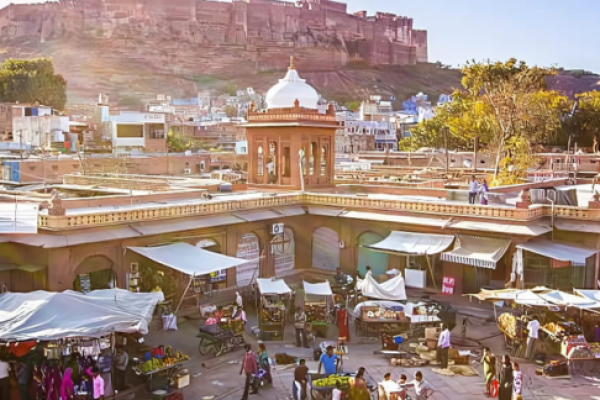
<point>319,395</point>
<point>205,348</point>
<point>237,341</point>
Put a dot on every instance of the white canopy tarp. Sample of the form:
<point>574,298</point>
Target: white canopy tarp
<point>46,316</point>
<point>566,299</point>
<point>188,259</point>
<point>528,298</point>
<point>558,251</point>
<point>318,289</point>
<point>413,243</point>
<point>590,294</point>
<point>273,286</point>
<point>392,289</point>
<point>477,251</point>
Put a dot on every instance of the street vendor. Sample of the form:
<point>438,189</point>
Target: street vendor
<point>341,278</point>
<point>239,315</point>
<point>532,336</point>
<point>369,272</point>
<point>329,361</point>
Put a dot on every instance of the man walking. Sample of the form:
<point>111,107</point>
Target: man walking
<point>532,336</point>
<point>300,318</point>
<point>473,189</point>
<point>444,346</point>
<point>250,368</point>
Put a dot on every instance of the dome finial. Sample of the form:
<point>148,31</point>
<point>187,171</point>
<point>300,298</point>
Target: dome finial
<point>292,62</point>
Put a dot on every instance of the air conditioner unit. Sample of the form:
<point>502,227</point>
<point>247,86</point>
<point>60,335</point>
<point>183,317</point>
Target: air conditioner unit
<point>277,229</point>
<point>187,171</point>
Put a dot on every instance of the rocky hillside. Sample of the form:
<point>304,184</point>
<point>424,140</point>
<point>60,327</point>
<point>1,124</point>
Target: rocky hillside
<point>91,68</point>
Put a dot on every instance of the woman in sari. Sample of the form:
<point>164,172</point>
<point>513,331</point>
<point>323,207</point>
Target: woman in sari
<point>67,387</point>
<point>263,362</point>
<point>358,386</point>
<point>489,369</point>
<point>505,390</point>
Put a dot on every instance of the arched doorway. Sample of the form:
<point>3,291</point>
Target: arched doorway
<point>248,249</point>
<point>325,249</point>
<point>95,273</point>
<point>376,260</point>
<point>283,250</point>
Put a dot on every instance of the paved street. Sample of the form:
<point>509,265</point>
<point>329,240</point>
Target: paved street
<point>220,377</point>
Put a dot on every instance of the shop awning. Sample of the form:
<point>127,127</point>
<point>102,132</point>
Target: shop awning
<point>578,226</point>
<point>589,294</point>
<point>291,211</point>
<point>48,316</point>
<point>160,227</point>
<point>558,251</point>
<point>413,243</point>
<point>477,251</point>
<point>325,211</point>
<point>273,286</point>
<point>523,230</point>
<point>401,219</point>
<point>188,259</point>
<point>318,289</point>
<point>259,215</point>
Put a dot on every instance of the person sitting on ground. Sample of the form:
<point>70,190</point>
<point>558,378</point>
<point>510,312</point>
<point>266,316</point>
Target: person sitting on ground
<point>423,389</point>
<point>401,395</point>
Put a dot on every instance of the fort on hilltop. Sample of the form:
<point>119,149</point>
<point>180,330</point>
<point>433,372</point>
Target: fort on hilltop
<point>107,44</point>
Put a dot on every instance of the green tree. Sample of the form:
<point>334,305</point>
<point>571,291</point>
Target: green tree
<point>32,81</point>
<point>586,121</point>
<point>176,143</point>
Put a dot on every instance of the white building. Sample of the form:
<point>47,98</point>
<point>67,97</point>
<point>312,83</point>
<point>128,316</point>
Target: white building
<point>36,126</point>
<point>137,131</point>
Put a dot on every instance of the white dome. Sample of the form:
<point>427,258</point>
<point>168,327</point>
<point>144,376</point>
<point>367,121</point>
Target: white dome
<point>290,89</point>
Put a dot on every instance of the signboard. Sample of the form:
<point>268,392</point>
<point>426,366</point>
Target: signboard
<point>85,283</point>
<point>18,217</point>
<point>448,285</point>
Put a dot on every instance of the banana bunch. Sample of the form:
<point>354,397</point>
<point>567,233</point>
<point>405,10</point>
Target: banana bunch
<point>331,381</point>
<point>152,365</point>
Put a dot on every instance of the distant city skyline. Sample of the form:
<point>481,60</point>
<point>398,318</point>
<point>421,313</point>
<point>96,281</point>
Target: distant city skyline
<point>540,32</point>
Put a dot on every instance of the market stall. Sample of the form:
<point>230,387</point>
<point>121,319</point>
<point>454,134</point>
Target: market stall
<point>318,299</point>
<point>376,318</point>
<point>273,298</point>
<point>411,244</point>
<point>55,331</point>
<point>198,264</point>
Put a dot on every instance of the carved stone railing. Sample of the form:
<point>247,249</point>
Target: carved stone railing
<point>349,202</point>
<point>162,212</point>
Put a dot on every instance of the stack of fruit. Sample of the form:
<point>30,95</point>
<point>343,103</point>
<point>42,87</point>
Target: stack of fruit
<point>508,324</point>
<point>151,365</point>
<point>331,382</point>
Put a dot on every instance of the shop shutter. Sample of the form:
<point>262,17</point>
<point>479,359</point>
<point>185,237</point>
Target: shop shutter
<point>284,253</point>
<point>376,260</point>
<point>248,249</point>
<point>325,249</point>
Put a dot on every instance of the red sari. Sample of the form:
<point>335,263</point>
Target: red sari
<point>342,325</point>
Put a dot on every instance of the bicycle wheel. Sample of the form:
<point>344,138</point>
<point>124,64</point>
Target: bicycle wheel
<point>205,348</point>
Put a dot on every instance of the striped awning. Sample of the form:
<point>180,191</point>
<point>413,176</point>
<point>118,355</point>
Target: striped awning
<point>483,252</point>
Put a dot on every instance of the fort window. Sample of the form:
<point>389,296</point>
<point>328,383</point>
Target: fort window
<point>313,150</point>
<point>130,131</point>
<point>323,160</point>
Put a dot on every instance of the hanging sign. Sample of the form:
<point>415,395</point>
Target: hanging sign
<point>448,285</point>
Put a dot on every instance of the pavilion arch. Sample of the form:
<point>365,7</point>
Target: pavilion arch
<point>376,260</point>
<point>101,272</point>
<point>325,249</point>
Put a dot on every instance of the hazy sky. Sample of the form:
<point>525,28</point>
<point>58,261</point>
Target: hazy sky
<point>543,32</point>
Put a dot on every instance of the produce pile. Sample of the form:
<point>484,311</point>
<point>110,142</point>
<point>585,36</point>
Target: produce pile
<point>171,357</point>
<point>272,314</point>
<point>508,324</point>
<point>562,329</point>
<point>331,381</point>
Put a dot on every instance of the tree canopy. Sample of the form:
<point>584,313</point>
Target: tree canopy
<point>507,109</point>
<point>32,81</point>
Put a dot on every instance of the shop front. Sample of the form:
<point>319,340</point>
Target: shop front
<point>474,260</point>
<point>557,265</point>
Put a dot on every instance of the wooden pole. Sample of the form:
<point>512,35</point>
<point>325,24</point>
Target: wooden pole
<point>431,270</point>
<point>183,295</point>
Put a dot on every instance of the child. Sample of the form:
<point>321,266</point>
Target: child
<point>336,394</point>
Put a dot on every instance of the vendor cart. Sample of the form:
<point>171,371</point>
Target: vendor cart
<point>273,294</point>
<point>375,318</point>
<point>325,392</point>
<point>317,304</point>
<point>215,340</point>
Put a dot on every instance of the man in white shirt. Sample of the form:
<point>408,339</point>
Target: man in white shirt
<point>444,346</point>
<point>4,380</point>
<point>238,299</point>
<point>532,336</point>
<point>473,189</point>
